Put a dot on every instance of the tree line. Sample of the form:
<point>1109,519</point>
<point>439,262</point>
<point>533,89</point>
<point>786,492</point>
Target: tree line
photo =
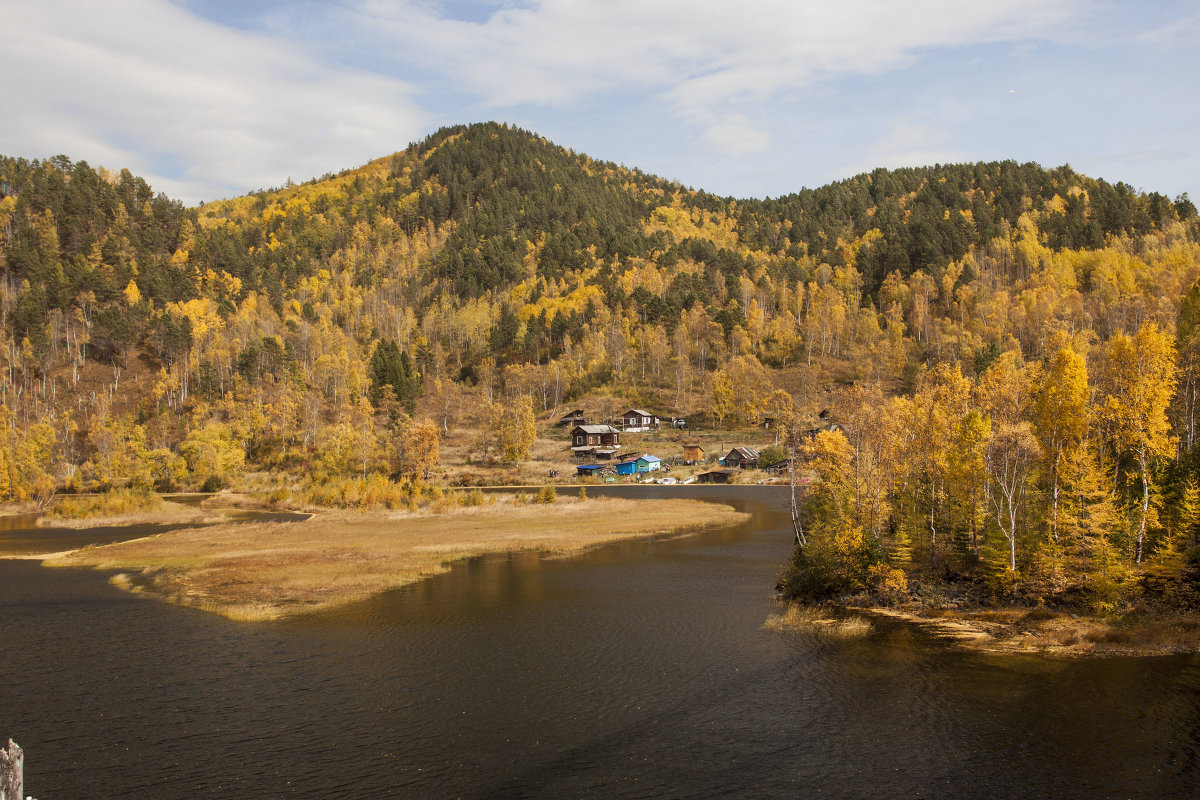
<point>484,268</point>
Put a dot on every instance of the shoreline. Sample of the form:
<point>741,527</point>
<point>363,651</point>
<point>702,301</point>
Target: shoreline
<point>1040,631</point>
<point>259,571</point>
<point>171,514</point>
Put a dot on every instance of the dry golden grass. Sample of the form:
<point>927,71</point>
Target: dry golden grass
<point>121,508</point>
<point>260,571</point>
<point>1056,633</point>
<point>811,620</point>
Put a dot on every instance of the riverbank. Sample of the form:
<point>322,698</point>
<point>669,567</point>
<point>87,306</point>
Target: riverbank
<point>265,571</point>
<point>165,514</point>
<point>1049,632</point>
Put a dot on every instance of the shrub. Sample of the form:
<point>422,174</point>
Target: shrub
<point>107,504</point>
<point>547,495</point>
<point>212,483</point>
<point>583,493</point>
<point>887,579</point>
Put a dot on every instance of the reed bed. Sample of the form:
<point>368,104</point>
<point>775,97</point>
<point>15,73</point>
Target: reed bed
<point>117,502</point>
<point>815,620</point>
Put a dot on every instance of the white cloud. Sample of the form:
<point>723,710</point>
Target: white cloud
<point>907,143</point>
<point>1181,32</point>
<point>736,135</point>
<point>204,110</point>
<point>706,59</point>
<point>200,110</point>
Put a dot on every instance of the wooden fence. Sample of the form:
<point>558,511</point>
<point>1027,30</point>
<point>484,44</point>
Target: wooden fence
<point>12,772</point>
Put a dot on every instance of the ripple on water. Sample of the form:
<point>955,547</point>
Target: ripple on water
<point>641,670</point>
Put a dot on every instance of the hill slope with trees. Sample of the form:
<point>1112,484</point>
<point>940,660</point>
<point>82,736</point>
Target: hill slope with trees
<point>1010,351</point>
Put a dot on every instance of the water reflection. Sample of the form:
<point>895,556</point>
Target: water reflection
<point>21,534</point>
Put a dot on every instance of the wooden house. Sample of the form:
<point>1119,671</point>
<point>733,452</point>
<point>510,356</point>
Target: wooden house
<point>635,420</point>
<point>572,418</point>
<point>716,476</point>
<point>600,441</point>
<point>693,453</point>
<point>828,427</point>
<point>742,457</point>
<point>648,463</point>
<point>780,467</point>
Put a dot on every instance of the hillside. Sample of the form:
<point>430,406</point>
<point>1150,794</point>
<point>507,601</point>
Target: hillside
<point>297,333</point>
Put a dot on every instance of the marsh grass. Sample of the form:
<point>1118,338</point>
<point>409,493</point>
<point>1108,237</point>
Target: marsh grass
<point>262,571</point>
<point>114,503</point>
<point>815,620</point>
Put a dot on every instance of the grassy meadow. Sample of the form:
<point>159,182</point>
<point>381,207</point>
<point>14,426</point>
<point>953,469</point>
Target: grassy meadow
<point>264,571</point>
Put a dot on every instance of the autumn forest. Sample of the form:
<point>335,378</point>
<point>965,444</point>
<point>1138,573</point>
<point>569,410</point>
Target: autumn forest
<point>1011,353</point>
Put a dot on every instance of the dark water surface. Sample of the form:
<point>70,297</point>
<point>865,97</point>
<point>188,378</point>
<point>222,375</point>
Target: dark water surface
<point>637,670</point>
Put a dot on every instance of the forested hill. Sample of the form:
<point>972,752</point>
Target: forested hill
<point>496,212</point>
<point>493,262</point>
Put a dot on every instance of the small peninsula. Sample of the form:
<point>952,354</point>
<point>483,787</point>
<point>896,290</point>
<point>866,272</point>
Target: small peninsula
<point>266,571</point>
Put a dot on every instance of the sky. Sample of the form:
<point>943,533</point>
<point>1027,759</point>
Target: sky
<point>209,99</point>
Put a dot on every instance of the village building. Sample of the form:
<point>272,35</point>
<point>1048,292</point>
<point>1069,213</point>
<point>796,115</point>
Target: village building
<point>599,441</point>
<point>648,463</point>
<point>571,418</point>
<point>829,427</point>
<point>635,420</point>
<point>716,476</point>
<point>779,467</point>
<point>692,453</point>
<point>742,458</point>
<point>643,463</point>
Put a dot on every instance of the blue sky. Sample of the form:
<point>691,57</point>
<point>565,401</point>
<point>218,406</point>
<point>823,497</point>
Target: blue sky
<point>213,98</point>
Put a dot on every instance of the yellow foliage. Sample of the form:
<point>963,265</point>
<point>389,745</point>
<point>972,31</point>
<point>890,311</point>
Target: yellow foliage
<point>682,223</point>
<point>887,578</point>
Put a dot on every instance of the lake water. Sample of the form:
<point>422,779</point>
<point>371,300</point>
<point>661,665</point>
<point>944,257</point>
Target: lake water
<point>639,670</point>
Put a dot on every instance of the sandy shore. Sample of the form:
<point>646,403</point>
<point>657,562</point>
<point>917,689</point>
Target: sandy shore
<point>262,571</point>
